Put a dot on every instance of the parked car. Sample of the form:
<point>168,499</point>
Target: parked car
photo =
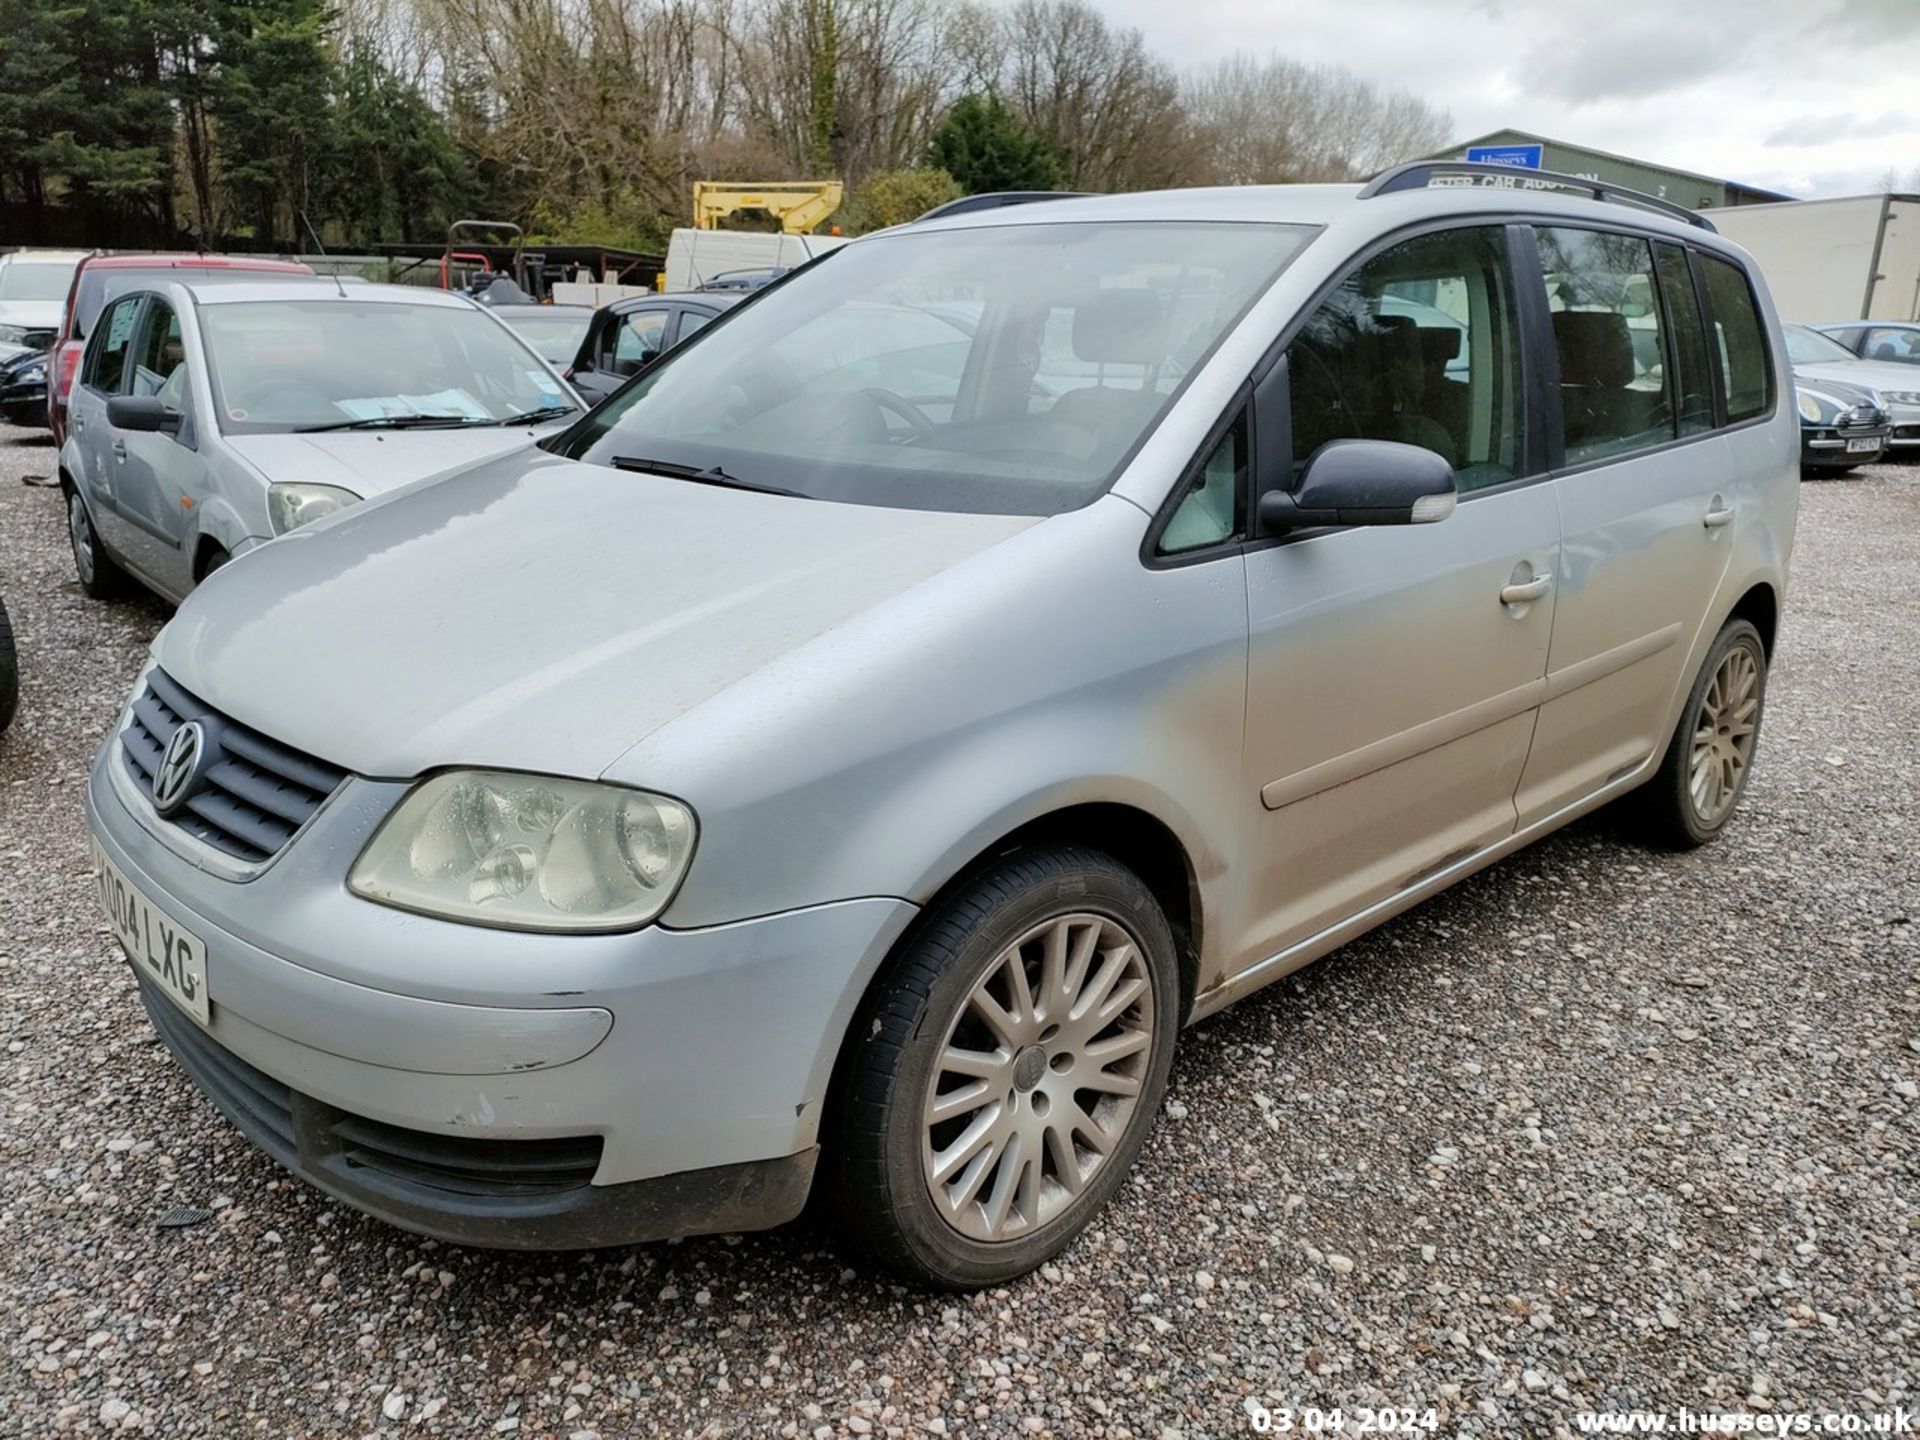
<point>1824,363</point>
<point>9,670</point>
<point>789,776</point>
<point>209,418</point>
<point>23,387</point>
<point>33,284</point>
<point>628,335</point>
<point>1841,426</point>
<point>100,278</point>
<point>554,330</point>
<point>1895,341</point>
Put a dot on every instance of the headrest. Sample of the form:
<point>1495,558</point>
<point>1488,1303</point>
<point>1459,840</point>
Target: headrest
<point>1440,344</point>
<point>1121,327</point>
<point>1596,348</point>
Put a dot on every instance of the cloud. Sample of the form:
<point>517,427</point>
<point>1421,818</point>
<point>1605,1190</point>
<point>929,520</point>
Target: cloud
<point>1839,125</point>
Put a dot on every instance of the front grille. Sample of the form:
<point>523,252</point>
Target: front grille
<point>1906,432</point>
<point>307,1135</point>
<point>1862,417</point>
<point>466,1166</point>
<point>253,795</point>
<point>259,1104</point>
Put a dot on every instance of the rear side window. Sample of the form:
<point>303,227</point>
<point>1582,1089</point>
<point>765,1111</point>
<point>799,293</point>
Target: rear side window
<point>1741,339</point>
<point>1419,345</point>
<point>1693,380</point>
<point>1615,394</point>
<point>107,357</point>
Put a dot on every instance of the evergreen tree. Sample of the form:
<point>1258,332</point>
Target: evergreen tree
<point>983,145</point>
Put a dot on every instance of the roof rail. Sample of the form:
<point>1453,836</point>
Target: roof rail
<point>1419,174</point>
<point>995,200</point>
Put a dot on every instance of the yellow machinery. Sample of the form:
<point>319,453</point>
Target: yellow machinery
<point>798,205</point>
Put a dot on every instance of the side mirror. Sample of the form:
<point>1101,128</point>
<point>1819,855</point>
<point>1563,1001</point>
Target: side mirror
<point>144,413</point>
<point>1363,482</point>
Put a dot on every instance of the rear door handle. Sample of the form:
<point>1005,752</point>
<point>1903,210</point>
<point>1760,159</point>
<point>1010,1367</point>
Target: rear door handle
<point>1521,592</point>
<point>1718,513</point>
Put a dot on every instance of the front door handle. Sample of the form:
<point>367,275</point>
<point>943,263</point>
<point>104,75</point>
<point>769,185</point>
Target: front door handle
<point>119,449</point>
<point>1718,513</point>
<point>1522,592</point>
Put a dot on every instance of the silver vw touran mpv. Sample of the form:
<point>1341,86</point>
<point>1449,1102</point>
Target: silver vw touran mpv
<point>844,760</point>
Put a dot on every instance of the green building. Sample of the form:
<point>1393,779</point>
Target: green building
<point>1682,187</point>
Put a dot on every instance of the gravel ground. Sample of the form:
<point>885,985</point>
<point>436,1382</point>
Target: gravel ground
<point>1599,1128</point>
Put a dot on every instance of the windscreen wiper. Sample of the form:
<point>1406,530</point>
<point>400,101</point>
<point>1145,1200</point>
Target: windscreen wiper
<point>708,475</point>
<point>534,417</point>
<point>394,422</point>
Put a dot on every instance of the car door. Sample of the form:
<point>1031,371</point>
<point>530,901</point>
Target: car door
<point>160,479</point>
<point>1394,672</point>
<point>1646,507</point>
<point>103,374</point>
<point>632,338</point>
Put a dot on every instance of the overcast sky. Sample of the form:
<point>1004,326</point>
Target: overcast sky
<point>1811,97</point>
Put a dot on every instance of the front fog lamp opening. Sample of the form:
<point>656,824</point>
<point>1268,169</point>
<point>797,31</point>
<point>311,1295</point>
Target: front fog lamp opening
<point>528,852</point>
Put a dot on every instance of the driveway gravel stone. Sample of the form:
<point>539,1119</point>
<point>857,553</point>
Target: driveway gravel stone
<point>1600,1128</point>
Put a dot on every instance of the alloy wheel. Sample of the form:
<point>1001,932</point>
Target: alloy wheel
<point>80,532</point>
<point>1038,1077</point>
<point>1723,735</point>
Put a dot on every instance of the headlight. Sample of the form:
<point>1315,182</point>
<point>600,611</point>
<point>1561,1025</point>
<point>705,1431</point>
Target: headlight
<point>1819,409</point>
<point>528,852</point>
<point>1901,397</point>
<point>289,506</point>
<point>34,374</point>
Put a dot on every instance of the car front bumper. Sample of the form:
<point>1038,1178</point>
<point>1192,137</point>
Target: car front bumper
<point>498,1088</point>
<point>1828,444</point>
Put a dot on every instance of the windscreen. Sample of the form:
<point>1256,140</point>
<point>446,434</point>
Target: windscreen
<point>36,279</point>
<point>1810,347</point>
<point>282,365</point>
<point>556,335</point>
<point>1006,370</point>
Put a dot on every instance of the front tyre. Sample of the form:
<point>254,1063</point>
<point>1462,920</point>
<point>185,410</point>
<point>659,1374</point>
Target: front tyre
<point>1710,756</point>
<point>1006,1069</point>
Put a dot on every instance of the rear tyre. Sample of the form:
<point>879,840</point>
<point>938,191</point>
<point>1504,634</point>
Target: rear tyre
<point>99,576</point>
<point>1700,782</point>
<point>1005,1070</point>
<point>9,670</point>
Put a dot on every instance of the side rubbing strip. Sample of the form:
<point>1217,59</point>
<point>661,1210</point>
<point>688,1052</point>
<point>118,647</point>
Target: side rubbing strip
<point>1445,729</point>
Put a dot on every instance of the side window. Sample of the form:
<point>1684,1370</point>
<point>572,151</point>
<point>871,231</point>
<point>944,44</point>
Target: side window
<point>1210,511</point>
<point>159,362</point>
<point>1418,345</point>
<point>1693,382</point>
<point>639,338</point>
<point>1892,345</point>
<point>1615,394</point>
<point>692,320</point>
<point>107,358</point>
<point>1745,372</point>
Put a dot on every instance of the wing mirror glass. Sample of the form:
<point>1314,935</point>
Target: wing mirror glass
<point>1363,482</point>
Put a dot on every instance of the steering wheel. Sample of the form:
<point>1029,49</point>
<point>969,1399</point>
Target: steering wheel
<point>917,419</point>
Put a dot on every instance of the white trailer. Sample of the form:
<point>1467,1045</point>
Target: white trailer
<point>697,257</point>
<point>1856,258</point>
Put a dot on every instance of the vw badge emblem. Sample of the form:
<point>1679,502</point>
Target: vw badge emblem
<point>177,766</point>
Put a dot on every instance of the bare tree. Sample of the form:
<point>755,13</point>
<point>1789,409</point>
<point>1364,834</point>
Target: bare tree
<point>1278,120</point>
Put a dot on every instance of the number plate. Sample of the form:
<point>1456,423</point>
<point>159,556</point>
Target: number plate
<point>161,948</point>
<point>1862,447</point>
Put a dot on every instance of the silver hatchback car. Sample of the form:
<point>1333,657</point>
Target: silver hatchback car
<point>839,765</point>
<point>210,416</point>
